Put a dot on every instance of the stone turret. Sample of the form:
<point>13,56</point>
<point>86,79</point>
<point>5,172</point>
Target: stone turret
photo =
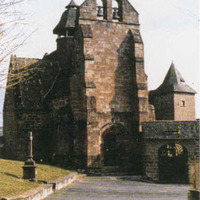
<point>65,30</point>
<point>174,99</point>
<point>68,21</point>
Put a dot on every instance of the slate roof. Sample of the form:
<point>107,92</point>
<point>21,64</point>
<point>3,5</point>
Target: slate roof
<point>173,83</point>
<point>68,19</point>
<point>72,4</point>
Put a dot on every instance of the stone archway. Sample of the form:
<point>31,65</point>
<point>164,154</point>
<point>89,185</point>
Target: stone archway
<point>172,163</point>
<point>114,146</point>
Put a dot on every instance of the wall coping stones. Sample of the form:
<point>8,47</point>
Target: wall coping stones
<point>47,189</point>
<point>171,130</point>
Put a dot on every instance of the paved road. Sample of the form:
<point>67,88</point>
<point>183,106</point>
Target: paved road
<point>119,188</point>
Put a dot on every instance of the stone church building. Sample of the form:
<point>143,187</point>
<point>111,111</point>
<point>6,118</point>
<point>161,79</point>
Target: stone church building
<point>88,103</point>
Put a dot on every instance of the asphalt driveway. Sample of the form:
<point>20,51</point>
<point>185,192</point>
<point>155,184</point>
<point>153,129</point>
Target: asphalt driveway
<point>119,188</point>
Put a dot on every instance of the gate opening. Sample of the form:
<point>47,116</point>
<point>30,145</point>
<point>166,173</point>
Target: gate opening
<point>173,164</point>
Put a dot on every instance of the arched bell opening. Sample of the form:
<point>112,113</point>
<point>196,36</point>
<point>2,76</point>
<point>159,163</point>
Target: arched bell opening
<point>116,10</point>
<point>100,10</point>
<point>173,163</point>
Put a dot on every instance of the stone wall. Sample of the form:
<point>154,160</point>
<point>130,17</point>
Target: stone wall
<point>174,106</point>
<point>164,106</point>
<point>28,107</point>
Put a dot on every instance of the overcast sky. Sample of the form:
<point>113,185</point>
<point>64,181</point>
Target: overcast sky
<point>170,31</point>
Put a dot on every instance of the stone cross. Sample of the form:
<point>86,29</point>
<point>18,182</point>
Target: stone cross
<point>31,145</point>
<point>29,168</point>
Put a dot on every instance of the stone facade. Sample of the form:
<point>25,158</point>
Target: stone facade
<point>116,84</point>
<point>85,102</point>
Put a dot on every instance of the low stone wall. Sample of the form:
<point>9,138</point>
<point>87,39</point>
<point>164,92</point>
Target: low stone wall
<point>47,189</point>
<point>194,195</point>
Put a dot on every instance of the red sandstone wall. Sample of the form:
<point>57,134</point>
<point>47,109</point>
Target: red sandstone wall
<point>184,107</point>
<point>116,84</point>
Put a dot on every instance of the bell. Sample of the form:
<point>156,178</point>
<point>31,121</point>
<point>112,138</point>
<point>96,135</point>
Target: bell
<point>115,13</point>
<point>100,11</point>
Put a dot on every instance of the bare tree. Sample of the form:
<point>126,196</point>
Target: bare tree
<point>11,34</point>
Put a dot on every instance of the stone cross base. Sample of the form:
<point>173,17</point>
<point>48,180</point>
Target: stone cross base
<point>29,171</point>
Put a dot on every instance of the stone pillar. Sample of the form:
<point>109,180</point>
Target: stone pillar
<point>107,4</point>
<point>29,168</point>
<point>151,161</point>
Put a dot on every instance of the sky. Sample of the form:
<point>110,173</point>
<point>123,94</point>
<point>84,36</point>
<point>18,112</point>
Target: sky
<point>169,28</point>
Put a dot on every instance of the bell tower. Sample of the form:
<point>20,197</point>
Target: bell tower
<point>114,81</point>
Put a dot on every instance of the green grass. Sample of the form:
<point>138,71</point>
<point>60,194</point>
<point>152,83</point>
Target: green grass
<point>11,182</point>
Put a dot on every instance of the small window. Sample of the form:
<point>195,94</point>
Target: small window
<point>182,103</point>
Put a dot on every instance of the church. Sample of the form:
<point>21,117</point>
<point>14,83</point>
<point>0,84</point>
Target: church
<point>88,105</point>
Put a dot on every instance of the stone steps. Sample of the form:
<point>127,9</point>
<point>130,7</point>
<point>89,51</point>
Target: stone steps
<point>114,171</point>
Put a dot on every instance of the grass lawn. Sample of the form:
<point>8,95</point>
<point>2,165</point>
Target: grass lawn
<point>11,182</point>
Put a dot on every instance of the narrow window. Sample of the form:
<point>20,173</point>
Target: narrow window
<point>182,103</point>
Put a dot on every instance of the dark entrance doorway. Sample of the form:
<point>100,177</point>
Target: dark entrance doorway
<point>173,164</point>
<point>109,150</point>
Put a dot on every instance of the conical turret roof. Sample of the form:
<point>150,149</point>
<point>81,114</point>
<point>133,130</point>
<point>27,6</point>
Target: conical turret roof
<point>173,83</point>
<point>72,4</point>
<point>68,19</point>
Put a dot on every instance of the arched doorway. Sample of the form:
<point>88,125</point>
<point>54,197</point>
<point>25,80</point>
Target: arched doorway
<point>114,145</point>
<point>173,164</point>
